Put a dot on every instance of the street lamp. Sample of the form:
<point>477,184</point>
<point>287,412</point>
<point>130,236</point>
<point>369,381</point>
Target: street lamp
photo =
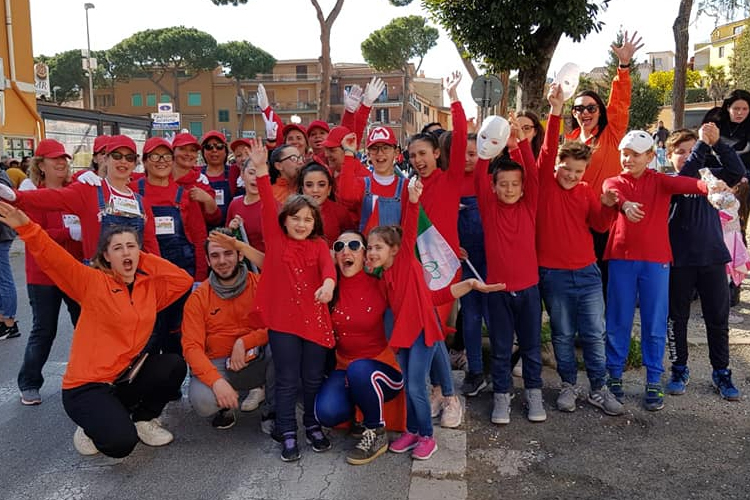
<point>54,93</point>
<point>86,7</point>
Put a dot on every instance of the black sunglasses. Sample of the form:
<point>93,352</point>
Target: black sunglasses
<point>217,147</point>
<point>131,157</point>
<point>353,245</point>
<point>591,108</point>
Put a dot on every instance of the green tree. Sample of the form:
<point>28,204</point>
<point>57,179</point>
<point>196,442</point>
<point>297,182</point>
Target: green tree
<point>243,61</point>
<point>716,81</point>
<point>65,72</point>
<point>326,25</point>
<point>177,51</point>
<point>510,35</point>
<point>740,63</point>
<point>392,47</point>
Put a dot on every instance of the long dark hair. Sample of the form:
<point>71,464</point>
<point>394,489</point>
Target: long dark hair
<point>602,123</point>
<point>98,261</point>
<point>736,95</point>
<point>315,167</point>
<point>538,140</point>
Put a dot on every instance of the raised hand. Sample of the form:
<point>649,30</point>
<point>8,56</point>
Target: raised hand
<point>11,215</point>
<point>415,189</point>
<point>352,98</point>
<point>373,91</point>
<point>272,128</point>
<point>629,47</point>
<point>555,98</point>
<point>709,133</point>
<point>262,97</point>
<point>349,143</point>
<point>516,132</point>
<point>224,240</point>
<point>259,157</point>
<point>451,85</point>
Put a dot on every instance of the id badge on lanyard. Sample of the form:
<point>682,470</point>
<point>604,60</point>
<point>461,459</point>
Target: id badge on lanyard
<point>125,206</point>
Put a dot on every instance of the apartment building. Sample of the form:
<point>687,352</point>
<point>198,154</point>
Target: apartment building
<point>719,50</point>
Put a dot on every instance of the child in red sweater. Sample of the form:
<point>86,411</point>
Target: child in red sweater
<point>297,282</point>
<point>316,181</point>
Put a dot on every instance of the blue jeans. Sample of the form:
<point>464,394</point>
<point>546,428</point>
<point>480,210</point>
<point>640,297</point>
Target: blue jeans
<point>519,312</point>
<point>440,369</point>
<point>649,283</point>
<point>295,358</point>
<point>8,299</point>
<point>415,363</point>
<point>575,303</point>
<point>474,305</point>
<point>45,303</point>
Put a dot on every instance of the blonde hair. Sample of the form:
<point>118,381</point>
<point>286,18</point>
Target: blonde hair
<point>36,174</point>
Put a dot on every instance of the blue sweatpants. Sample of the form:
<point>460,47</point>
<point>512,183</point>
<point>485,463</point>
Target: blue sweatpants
<point>647,282</point>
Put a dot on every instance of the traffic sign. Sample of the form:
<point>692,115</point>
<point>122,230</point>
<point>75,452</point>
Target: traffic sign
<point>165,121</point>
<point>487,90</point>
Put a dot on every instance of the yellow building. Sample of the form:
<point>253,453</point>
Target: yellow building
<point>718,52</point>
<point>20,124</point>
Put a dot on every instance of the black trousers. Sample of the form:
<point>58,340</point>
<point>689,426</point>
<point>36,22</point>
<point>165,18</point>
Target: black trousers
<point>711,283</point>
<point>107,412</point>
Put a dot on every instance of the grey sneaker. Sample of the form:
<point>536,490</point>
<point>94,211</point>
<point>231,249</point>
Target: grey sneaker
<point>606,401</point>
<point>534,405</point>
<point>566,401</point>
<point>501,408</point>
<point>31,397</point>
<point>374,443</point>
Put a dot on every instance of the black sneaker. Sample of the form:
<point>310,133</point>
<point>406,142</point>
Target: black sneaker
<point>289,450</point>
<point>473,384</point>
<point>224,419</point>
<point>9,332</point>
<point>318,440</point>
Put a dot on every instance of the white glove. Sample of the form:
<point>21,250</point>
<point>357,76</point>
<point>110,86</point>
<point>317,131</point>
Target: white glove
<point>203,179</point>
<point>272,128</point>
<point>262,97</point>
<point>240,182</point>
<point>75,232</point>
<point>492,137</point>
<point>7,193</point>
<point>90,178</point>
<point>352,98</point>
<point>373,91</point>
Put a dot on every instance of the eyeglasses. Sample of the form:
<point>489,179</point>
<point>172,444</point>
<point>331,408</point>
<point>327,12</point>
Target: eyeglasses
<point>527,128</point>
<point>294,158</point>
<point>216,147</point>
<point>385,148</point>
<point>157,157</point>
<point>591,108</point>
<point>131,157</point>
<point>353,245</point>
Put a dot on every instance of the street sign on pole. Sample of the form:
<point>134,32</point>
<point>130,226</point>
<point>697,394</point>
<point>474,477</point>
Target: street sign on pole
<point>165,121</point>
<point>487,90</point>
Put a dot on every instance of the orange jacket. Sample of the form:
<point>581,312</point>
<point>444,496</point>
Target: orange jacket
<point>605,161</point>
<point>115,324</point>
<point>211,325</point>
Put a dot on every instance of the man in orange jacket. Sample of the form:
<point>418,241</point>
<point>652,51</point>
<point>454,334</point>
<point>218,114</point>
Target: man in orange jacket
<point>223,340</point>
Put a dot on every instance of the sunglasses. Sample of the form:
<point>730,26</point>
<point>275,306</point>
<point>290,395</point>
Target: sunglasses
<point>157,157</point>
<point>591,108</point>
<point>353,245</point>
<point>294,158</point>
<point>215,147</point>
<point>131,157</point>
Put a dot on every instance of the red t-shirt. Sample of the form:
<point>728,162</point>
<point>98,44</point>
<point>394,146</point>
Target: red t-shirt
<point>357,317</point>
<point>336,219</point>
<point>251,220</point>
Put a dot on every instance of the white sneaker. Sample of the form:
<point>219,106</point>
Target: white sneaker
<point>151,432</point>
<point>453,412</point>
<point>436,401</point>
<point>254,398</point>
<point>83,444</point>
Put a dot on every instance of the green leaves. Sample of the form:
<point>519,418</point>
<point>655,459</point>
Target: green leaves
<point>66,72</point>
<point>740,62</point>
<point>394,45</point>
<point>244,60</point>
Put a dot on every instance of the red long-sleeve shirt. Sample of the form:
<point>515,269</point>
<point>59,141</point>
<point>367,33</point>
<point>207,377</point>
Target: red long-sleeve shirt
<point>357,121</point>
<point>189,181</point>
<point>82,200</point>
<point>563,239</point>
<point>52,223</point>
<point>509,230</point>
<point>251,220</point>
<point>292,271</point>
<point>407,291</point>
<point>192,218</point>
<point>336,219</point>
<point>648,239</point>
<point>442,190</point>
<point>211,325</point>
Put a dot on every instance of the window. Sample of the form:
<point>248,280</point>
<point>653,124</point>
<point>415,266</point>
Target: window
<point>151,100</point>
<point>136,100</point>
<point>657,62</point>
<point>427,111</point>
<point>104,100</point>
<point>303,97</point>
<point>223,115</point>
<point>196,128</point>
<point>738,29</point>
<point>194,99</point>
<point>165,98</point>
<point>301,71</point>
<point>721,51</point>
<point>383,97</point>
<point>381,115</point>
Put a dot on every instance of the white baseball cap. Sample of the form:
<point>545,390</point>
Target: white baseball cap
<point>637,140</point>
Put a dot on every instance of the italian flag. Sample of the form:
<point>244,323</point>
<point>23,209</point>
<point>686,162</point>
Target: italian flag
<point>439,262</point>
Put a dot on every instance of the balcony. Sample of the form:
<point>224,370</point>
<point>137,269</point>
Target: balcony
<point>285,77</point>
<point>287,107</point>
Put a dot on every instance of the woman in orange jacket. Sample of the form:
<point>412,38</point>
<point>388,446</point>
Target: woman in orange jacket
<point>110,390</point>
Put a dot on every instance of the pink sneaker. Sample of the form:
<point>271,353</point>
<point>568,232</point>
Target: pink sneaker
<point>426,447</point>
<point>407,441</point>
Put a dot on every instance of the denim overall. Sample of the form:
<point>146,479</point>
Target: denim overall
<point>109,220</point>
<point>222,186</point>
<point>389,209</point>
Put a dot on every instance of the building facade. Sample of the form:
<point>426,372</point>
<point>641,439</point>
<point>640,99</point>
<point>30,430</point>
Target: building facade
<point>719,51</point>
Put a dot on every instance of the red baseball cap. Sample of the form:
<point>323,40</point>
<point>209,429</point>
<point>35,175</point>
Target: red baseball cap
<point>381,135</point>
<point>238,142</point>
<point>121,141</point>
<point>50,148</point>
<point>317,124</point>
<point>215,134</point>
<point>154,142</point>
<point>100,143</point>
<point>293,126</point>
<point>335,136</point>
<point>185,139</point>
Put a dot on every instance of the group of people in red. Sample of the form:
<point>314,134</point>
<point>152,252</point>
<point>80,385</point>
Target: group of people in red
<point>291,272</point>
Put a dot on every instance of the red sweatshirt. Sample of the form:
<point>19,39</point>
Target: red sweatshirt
<point>52,223</point>
<point>189,181</point>
<point>336,219</point>
<point>563,239</point>
<point>407,291</point>
<point>647,240</point>
<point>292,271</point>
<point>357,121</point>
<point>192,218</point>
<point>442,190</point>
<point>251,220</point>
<point>82,200</point>
<point>509,230</point>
